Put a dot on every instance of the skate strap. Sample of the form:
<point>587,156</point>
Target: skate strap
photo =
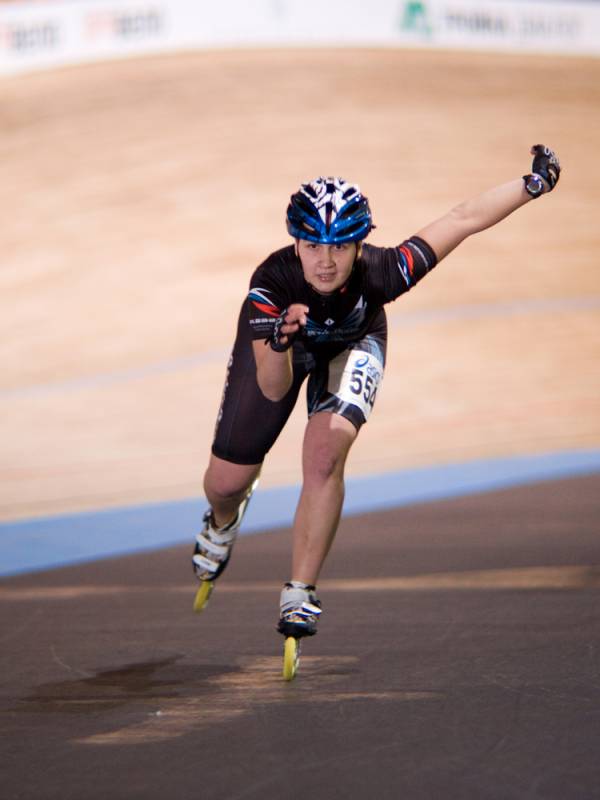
<point>233,525</point>
<point>220,537</point>
<point>305,610</point>
<point>205,563</point>
<point>206,543</point>
<point>311,609</point>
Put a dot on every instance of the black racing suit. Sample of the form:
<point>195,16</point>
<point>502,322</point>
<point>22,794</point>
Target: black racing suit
<point>351,320</point>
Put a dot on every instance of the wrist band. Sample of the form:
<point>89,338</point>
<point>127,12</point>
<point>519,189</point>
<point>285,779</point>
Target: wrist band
<point>534,185</point>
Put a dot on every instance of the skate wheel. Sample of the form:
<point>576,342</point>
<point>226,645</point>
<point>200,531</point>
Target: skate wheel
<point>203,595</point>
<point>291,658</point>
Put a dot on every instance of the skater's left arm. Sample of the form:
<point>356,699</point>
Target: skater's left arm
<point>494,205</point>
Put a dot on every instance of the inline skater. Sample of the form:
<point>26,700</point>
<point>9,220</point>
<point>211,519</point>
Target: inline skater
<point>315,310</point>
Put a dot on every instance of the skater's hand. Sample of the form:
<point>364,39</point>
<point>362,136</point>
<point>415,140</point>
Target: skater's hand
<point>287,326</point>
<point>275,374</point>
<point>546,165</point>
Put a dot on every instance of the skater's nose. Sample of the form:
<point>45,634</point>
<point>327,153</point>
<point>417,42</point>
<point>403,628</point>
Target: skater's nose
<point>326,256</point>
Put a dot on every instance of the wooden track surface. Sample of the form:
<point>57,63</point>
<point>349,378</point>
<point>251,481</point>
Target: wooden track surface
<point>138,197</point>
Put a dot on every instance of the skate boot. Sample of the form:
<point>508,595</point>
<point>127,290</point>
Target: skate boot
<point>213,548</point>
<point>299,610</point>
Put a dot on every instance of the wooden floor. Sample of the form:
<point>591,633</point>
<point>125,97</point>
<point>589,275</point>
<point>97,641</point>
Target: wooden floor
<point>138,196</point>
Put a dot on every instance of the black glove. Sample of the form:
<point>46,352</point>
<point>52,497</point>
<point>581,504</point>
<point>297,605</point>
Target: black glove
<point>275,338</point>
<point>546,165</point>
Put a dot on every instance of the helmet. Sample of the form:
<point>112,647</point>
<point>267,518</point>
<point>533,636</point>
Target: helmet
<point>329,211</point>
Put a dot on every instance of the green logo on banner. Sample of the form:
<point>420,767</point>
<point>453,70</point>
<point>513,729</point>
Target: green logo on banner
<point>415,18</point>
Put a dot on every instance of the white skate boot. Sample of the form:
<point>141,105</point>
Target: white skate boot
<point>299,613</point>
<point>213,548</point>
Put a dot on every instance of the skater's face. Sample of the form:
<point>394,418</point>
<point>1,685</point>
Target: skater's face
<point>326,267</point>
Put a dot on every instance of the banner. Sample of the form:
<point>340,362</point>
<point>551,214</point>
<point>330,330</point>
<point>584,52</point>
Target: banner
<point>41,35</point>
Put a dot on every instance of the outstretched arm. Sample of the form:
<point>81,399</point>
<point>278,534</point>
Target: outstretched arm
<point>492,206</point>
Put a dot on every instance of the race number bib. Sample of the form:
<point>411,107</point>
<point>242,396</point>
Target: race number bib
<point>354,377</point>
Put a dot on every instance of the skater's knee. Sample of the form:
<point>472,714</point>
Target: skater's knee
<point>225,496</point>
<point>327,442</point>
<point>225,481</point>
<point>324,465</point>
<point>223,488</point>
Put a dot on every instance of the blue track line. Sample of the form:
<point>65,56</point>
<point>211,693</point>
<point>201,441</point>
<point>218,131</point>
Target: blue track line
<point>30,545</point>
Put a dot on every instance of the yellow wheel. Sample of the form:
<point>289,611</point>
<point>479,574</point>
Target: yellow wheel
<point>291,658</point>
<point>202,595</point>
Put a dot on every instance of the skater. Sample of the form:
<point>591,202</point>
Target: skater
<point>315,311</point>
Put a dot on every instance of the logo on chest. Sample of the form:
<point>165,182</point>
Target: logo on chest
<point>330,331</point>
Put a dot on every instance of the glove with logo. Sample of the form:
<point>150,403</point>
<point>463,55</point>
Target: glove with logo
<point>546,166</point>
<point>275,339</point>
<point>294,319</point>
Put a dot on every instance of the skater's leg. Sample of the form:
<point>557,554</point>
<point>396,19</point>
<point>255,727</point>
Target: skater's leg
<point>228,489</point>
<point>226,484</point>
<point>336,415</point>
<point>327,442</point>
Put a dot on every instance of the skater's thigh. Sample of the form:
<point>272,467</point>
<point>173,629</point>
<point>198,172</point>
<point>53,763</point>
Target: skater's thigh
<point>347,384</point>
<point>248,424</point>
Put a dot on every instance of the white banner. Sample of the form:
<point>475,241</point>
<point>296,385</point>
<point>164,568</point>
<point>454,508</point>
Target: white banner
<point>39,35</point>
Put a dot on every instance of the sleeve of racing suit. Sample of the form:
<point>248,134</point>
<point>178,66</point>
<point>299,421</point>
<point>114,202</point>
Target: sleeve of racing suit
<point>400,268</point>
<point>265,302</point>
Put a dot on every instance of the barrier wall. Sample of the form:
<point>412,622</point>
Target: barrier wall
<point>41,35</point>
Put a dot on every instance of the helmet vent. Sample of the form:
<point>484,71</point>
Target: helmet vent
<point>328,214</point>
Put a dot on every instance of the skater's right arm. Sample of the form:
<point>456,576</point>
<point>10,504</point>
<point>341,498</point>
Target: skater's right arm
<point>273,356</point>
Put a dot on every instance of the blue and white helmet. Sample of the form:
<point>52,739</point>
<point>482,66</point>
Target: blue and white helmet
<point>329,211</point>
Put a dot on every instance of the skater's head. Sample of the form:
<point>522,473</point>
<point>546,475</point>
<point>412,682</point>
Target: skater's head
<point>328,218</point>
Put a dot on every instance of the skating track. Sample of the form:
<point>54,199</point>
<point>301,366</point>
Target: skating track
<point>458,655</point>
